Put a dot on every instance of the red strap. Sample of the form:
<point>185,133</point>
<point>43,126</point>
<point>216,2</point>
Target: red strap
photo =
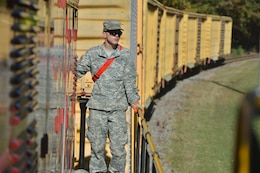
<point>103,67</point>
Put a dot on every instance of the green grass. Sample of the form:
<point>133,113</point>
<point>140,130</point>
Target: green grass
<point>205,128</point>
<point>237,52</point>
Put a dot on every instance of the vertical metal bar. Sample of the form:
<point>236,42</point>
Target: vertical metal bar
<point>133,50</point>
<point>198,40</point>
<point>153,167</point>
<point>247,152</point>
<point>45,138</point>
<point>137,159</point>
<point>259,62</point>
<point>147,163</point>
<point>143,153</point>
<point>64,76</point>
<point>83,108</point>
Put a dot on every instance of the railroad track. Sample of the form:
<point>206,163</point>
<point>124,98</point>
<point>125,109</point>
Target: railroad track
<point>242,58</point>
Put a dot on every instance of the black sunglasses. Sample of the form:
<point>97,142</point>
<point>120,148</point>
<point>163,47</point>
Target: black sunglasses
<point>115,32</point>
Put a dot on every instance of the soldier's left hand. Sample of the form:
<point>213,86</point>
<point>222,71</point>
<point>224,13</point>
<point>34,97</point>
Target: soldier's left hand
<point>136,106</point>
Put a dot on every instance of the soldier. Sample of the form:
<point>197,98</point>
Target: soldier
<point>114,90</point>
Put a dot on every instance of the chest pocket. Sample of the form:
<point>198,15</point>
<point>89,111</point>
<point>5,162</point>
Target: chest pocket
<point>105,65</point>
<point>118,69</point>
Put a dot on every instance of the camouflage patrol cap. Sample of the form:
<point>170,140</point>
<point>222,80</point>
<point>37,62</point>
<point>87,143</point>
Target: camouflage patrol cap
<point>111,25</point>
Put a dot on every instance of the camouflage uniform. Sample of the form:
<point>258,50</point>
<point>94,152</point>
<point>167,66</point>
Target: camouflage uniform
<point>116,88</point>
<point>112,93</point>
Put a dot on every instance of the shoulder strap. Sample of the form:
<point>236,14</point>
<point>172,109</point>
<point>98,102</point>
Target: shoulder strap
<point>97,75</point>
<point>102,69</point>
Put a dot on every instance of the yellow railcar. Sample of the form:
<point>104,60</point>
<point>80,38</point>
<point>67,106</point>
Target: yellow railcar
<point>218,39</point>
<point>177,43</point>
<point>165,43</point>
<point>226,36</point>
<point>169,48</point>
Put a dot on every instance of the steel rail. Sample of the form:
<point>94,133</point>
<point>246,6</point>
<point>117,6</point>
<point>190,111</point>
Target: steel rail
<point>242,58</point>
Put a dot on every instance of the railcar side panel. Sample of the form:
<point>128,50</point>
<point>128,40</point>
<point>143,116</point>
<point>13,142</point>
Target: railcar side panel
<point>91,17</point>
<point>177,62</point>
<point>205,39</point>
<point>161,48</point>
<point>227,36</point>
<point>215,38</point>
<point>192,36</point>
<point>150,50</point>
<point>170,47</point>
<point>183,47</point>
<point>140,51</point>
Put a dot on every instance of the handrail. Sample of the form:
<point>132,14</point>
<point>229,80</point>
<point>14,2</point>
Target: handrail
<point>247,153</point>
<point>147,135</point>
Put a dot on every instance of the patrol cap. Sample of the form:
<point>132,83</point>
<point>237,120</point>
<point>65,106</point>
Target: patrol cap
<point>111,25</point>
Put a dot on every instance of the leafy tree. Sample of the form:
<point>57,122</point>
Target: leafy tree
<point>246,22</point>
<point>178,4</point>
<point>245,15</point>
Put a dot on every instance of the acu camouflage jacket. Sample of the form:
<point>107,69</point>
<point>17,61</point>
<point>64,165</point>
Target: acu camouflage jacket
<point>116,87</point>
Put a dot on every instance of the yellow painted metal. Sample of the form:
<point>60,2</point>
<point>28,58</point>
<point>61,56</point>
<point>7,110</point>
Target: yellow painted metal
<point>91,17</point>
<point>162,39</point>
<point>227,36</point>
<point>215,37</point>
<point>161,42</point>
<point>192,38</point>
<point>242,152</point>
<point>182,58</point>
<point>205,39</point>
<point>139,61</point>
<point>244,158</point>
<point>150,49</point>
<point>169,48</point>
<point>6,22</point>
<point>140,78</point>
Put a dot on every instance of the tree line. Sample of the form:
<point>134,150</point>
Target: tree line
<point>245,15</point>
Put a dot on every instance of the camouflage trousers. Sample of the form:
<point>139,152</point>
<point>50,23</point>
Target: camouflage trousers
<point>100,125</point>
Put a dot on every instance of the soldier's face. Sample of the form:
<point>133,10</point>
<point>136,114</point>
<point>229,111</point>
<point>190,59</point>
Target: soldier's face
<point>113,36</point>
